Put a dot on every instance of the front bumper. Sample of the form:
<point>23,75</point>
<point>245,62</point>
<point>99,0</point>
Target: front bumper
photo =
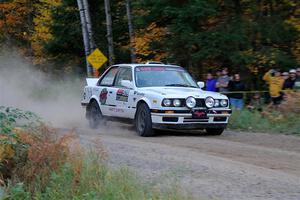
<point>168,120</point>
<point>188,126</point>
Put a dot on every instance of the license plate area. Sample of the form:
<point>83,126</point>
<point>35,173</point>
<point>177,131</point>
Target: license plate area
<point>199,114</point>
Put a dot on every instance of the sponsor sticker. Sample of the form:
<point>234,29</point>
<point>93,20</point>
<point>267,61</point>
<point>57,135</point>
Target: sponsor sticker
<point>122,95</point>
<point>118,110</point>
<point>103,96</point>
<point>159,69</point>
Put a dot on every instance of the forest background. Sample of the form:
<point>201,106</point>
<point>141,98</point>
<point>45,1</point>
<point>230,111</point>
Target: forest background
<point>247,36</point>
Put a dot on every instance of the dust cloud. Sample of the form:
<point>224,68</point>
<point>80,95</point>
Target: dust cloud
<point>56,101</point>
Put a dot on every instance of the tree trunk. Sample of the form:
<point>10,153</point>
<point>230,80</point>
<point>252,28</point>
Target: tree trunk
<point>85,36</point>
<point>131,31</point>
<point>88,24</point>
<point>89,29</point>
<point>111,56</point>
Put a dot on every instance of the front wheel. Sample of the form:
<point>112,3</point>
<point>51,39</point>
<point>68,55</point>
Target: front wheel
<point>214,131</point>
<point>143,121</point>
<point>94,115</point>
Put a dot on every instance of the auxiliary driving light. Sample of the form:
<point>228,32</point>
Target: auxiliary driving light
<point>209,102</point>
<point>190,102</point>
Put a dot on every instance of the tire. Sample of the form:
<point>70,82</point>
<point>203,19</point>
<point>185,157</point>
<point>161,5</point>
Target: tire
<point>214,131</point>
<point>94,115</point>
<point>143,122</point>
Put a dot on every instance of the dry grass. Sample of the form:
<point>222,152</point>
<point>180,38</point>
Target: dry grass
<point>45,152</point>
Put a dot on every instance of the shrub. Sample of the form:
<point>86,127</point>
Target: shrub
<point>269,122</point>
<point>46,152</point>
<point>11,148</point>
<point>30,151</point>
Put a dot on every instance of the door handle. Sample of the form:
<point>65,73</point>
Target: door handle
<point>110,92</point>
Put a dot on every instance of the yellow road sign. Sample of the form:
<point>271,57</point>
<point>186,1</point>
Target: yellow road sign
<point>97,58</point>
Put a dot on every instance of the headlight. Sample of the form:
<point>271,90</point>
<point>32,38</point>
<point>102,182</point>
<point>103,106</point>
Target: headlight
<point>217,103</point>
<point>177,103</point>
<point>190,102</point>
<point>224,103</point>
<point>167,102</point>
<point>209,102</point>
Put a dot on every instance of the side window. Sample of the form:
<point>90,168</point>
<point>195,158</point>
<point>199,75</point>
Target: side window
<point>124,74</point>
<point>109,77</point>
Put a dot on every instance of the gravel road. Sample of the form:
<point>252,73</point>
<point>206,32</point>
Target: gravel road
<point>232,166</point>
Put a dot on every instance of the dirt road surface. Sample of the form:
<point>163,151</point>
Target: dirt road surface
<point>232,166</point>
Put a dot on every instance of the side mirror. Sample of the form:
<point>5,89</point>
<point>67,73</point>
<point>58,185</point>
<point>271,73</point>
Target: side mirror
<point>127,83</point>
<point>201,84</point>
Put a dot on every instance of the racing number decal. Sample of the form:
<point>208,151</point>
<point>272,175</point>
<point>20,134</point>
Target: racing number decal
<point>122,95</point>
<point>103,96</point>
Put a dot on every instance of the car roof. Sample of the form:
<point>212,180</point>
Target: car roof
<point>134,65</point>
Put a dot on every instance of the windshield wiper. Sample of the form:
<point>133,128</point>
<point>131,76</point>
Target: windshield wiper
<point>180,85</point>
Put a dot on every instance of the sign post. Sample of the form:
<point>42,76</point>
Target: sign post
<point>97,59</point>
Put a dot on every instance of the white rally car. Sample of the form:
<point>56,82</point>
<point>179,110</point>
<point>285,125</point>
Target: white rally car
<point>154,96</point>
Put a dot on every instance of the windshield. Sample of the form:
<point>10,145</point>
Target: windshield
<point>163,76</point>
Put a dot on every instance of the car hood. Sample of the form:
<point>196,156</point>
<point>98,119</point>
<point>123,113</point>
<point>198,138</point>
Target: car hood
<point>182,92</point>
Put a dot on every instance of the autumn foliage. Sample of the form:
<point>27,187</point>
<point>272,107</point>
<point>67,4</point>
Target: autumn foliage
<point>143,43</point>
<point>42,23</point>
<point>31,153</point>
<point>15,19</point>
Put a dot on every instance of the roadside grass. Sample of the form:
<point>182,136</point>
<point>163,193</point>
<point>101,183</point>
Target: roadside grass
<point>95,181</point>
<point>274,122</point>
<point>38,163</point>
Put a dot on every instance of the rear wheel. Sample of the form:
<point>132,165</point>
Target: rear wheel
<point>214,131</point>
<point>94,115</point>
<point>143,121</point>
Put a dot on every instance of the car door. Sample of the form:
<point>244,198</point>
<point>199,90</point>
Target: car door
<point>123,96</point>
<point>105,91</point>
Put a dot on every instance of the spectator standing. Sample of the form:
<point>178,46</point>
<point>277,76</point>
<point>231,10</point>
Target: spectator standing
<point>285,75</point>
<point>236,99</point>
<point>210,83</point>
<point>297,81</point>
<point>218,73</point>
<point>223,80</point>
<point>275,81</point>
<point>290,82</point>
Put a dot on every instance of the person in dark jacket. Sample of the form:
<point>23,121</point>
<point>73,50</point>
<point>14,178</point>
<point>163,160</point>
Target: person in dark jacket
<point>210,83</point>
<point>236,99</point>
<point>290,82</point>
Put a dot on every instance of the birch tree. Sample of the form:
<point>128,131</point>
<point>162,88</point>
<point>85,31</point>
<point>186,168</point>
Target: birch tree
<point>131,31</point>
<point>109,36</point>
<point>85,35</point>
<point>88,24</point>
